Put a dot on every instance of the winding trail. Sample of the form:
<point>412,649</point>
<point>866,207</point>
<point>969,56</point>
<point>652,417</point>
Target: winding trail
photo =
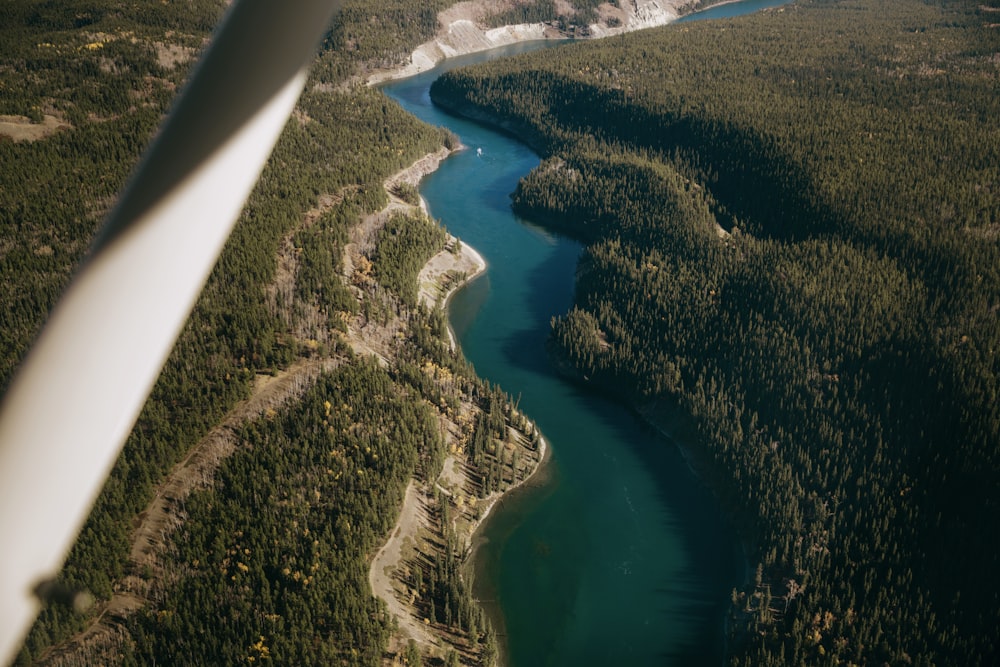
<point>385,565</point>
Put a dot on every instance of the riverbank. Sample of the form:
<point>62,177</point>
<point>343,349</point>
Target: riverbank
<point>421,530</point>
<point>461,32</point>
<point>485,573</point>
<point>594,540</point>
<point>417,538</point>
<point>164,514</point>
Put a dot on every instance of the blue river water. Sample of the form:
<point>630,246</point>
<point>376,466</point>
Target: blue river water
<point>618,554</point>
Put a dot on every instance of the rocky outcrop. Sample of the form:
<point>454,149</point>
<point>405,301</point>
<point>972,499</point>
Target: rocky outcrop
<point>461,32</point>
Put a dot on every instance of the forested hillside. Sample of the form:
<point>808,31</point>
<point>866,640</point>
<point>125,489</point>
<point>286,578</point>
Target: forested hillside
<point>792,225</point>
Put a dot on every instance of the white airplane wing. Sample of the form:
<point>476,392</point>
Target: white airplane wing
<point>77,395</point>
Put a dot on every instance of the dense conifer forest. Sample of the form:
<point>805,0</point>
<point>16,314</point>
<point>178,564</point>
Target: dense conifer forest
<point>791,225</point>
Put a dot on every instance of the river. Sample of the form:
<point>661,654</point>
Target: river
<point>621,556</point>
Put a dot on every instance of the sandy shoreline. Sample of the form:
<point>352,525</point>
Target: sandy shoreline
<point>446,273</point>
<point>479,564</point>
<point>439,280</point>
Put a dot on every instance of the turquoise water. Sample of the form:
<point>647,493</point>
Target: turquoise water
<point>621,556</point>
<point>733,9</point>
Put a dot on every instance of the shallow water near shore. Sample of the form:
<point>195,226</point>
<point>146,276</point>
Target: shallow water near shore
<point>618,554</point>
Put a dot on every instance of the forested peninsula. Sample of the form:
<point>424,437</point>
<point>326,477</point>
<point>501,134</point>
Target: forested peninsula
<point>791,224</point>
